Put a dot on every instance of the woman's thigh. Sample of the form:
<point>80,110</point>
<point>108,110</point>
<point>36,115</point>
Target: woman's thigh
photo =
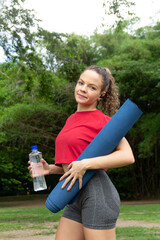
<point>69,230</point>
<point>94,234</point>
<point>100,203</point>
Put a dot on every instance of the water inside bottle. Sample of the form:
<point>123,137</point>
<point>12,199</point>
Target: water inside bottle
<point>39,182</point>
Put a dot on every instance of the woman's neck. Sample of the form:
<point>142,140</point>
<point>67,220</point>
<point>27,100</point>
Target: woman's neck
<point>83,108</point>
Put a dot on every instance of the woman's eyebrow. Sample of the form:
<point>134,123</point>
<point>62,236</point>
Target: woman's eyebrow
<point>90,83</point>
<point>81,79</point>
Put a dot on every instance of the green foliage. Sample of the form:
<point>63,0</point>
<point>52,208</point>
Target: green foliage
<point>36,93</point>
<point>125,184</point>
<point>68,54</point>
<point>149,32</point>
<point>117,9</point>
<point>16,34</point>
<point>32,113</point>
<point>135,65</point>
<point>23,125</point>
<point>149,146</point>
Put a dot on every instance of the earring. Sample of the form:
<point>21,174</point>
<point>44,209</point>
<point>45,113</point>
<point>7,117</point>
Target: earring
<point>102,96</point>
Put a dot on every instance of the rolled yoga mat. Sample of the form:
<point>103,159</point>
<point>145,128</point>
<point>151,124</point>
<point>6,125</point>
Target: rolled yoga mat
<point>103,144</point>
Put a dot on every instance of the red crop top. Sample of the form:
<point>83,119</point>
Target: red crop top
<point>79,130</point>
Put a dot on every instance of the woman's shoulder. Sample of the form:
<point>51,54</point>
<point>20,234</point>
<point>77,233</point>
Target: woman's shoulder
<point>95,116</point>
<point>98,118</point>
<point>103,116</point>
<point>70,117</point>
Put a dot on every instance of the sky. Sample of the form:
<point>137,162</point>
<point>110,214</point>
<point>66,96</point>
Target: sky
<point>83,17</point>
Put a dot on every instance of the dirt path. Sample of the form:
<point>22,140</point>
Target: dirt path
<point>26,235</point>
<point>39,202</point>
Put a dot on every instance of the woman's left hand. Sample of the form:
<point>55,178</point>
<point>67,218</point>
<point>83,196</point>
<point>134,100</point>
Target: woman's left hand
<point>76,171</point>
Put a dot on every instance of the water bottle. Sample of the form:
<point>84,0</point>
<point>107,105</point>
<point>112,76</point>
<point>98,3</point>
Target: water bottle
<point>35,157</point>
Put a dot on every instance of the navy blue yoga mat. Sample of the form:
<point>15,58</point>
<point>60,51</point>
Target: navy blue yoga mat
<point>104,143</point>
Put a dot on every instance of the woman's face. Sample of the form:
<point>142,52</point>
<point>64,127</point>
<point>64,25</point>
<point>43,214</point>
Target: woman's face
<point>88,90</point>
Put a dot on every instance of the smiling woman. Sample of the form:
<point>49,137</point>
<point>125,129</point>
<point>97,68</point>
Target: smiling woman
<point>93,215</point>
<point>88,90</point>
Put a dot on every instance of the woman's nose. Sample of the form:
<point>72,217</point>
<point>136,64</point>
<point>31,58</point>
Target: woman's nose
<point>83,88</point>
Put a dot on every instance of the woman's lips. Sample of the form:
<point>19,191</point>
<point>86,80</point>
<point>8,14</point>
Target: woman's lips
<point>81,96</point>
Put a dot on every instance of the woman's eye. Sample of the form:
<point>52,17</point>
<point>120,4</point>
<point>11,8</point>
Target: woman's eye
<point>93,88</point>
<point>80,83</point>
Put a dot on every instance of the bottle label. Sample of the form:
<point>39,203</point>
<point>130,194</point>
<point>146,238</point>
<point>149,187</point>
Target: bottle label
<point>37,169</point>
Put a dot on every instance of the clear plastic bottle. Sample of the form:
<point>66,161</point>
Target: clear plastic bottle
<point>35,157</point>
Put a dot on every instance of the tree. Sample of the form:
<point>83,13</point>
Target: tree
<point>134,64</point>
<point>36,94</point>
<point>17,37</point>
<point>118,10</point>
<point>68,54</point>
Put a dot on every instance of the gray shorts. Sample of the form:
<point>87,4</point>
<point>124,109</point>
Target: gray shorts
<point>98,205</point>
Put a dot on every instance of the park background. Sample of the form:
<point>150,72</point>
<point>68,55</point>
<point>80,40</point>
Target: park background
<point>37,80</point>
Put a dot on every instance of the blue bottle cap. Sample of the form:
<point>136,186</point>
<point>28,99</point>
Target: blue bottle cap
<point>34,148</point>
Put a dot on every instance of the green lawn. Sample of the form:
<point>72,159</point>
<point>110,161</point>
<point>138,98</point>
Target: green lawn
<point>146,212</point>
<point>41,218</point>
<point>138,233</point>
<point>150,213</point>
<point>25,218</point>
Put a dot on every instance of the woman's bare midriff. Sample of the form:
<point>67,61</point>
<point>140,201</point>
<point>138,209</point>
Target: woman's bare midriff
<point>65,167</point>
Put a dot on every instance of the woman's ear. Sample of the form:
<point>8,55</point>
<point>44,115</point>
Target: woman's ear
<point>102,95</point>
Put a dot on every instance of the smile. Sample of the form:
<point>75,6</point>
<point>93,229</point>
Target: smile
<point>81,96</point>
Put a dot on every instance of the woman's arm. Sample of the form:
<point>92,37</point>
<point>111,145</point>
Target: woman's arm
<point>47,169</point>
<point>55,169</point>
<point>122,156</point>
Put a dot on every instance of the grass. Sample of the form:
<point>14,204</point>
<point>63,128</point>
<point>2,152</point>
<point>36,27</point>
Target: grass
<point>28,214</point>
<point>148,212</point>
<point>137,233</point>
<point>26,218</point>
<point>45,222</point>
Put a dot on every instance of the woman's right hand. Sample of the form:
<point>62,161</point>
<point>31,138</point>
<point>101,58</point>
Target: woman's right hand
<point>44,168</point>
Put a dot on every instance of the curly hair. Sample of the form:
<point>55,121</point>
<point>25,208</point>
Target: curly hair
<point>110,101</point>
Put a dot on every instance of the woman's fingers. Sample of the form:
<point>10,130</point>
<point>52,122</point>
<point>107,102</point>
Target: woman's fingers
<point>70,165</point>
<point>64,176</point>
<point>71,184</point>
<point>66,181</point>
<point>72,175</point>
<point>43,161</point>
<point>30,169</point>
<point>80,182</point>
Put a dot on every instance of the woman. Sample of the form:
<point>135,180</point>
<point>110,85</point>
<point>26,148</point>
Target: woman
<point>95,212</point>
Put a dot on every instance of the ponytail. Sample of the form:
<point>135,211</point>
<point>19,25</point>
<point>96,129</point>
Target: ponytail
<point>110,102</point>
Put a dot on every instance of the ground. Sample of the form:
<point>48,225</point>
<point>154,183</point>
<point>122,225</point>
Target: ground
<point>31,234</point>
